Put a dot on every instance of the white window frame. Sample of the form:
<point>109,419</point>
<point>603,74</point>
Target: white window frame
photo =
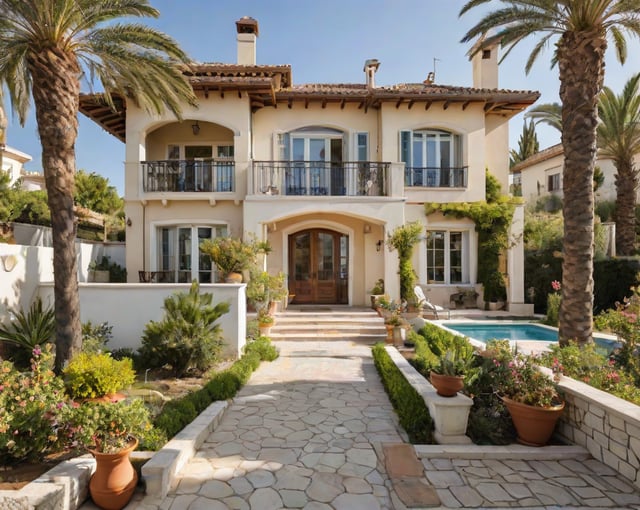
<point>156,243</point>
<point>467,249</point>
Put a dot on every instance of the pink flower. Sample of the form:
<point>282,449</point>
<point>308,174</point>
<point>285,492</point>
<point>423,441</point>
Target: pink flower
<point>37,351</point>
<point>556,285</point>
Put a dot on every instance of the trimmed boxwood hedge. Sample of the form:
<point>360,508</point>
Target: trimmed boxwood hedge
<point>409,405</point>
<point>178,413</point>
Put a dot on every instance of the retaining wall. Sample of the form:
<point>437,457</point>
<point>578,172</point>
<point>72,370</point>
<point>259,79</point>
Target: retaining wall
<point>607,426</point>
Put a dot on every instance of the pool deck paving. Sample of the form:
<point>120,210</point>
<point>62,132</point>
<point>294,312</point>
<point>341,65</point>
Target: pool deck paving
<point>314,429</point>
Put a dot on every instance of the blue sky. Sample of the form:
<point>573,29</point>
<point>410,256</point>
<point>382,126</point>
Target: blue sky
<point>328,42</point>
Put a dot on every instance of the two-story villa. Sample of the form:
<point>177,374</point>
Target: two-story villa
<point>322,171</point>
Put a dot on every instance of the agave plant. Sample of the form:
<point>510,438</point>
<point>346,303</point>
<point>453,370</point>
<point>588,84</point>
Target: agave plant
<point>29,329</point>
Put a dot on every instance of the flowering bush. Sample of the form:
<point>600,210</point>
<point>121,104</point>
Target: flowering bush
<point>584,363</point>
<point>29,406</point>
<point>517,377</point>
<point>92,375</point>
<point>106,427</point>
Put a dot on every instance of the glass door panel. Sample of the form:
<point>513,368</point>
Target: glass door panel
<point>318,173</point>
<point>205,272</point>
<point>184,255</point>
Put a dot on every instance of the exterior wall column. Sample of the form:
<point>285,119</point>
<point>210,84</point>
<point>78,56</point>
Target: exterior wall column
<point>515,266</point>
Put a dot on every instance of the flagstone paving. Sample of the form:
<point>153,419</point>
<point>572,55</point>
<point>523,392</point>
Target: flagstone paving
<point>310,431</point>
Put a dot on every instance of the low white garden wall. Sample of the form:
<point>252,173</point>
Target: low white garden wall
<point>607,426</point>
<point>128,307</point>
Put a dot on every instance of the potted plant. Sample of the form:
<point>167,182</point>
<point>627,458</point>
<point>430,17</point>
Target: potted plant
<point>391,322</point>
<point>447,376</point>
<point>265,322</point>
<point>110,432</point>
<point>530,396</point>
<point>264,290</point>
<point>495,291</point>
<point>376,292</point>
<point>99,270</point>
<point>232,256</point>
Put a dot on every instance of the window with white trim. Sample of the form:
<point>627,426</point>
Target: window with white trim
<point>178,251</point>
<point>432,158</point>
<point>554,183</point>
<point>447,256</point>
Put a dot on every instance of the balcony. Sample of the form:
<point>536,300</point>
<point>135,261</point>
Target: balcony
<point>320,178</point>
<point>202,175</point>
<point>428,177</point>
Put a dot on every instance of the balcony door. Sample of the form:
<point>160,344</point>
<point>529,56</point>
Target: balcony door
<point>315,160</point>
<point>318,267</point>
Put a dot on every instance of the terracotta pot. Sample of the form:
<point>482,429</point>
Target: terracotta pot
<point>389,339</point>
<point>534,425</point>
<point>446,385</point>
<point>265,330</point>
<point>233,278</point>
<point>115,479</point>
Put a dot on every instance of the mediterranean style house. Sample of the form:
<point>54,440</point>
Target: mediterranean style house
<point>13,162</point>
<point>540,176</point>
<point>324,172</point>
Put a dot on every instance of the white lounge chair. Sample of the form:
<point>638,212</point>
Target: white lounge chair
<point>429,306</point>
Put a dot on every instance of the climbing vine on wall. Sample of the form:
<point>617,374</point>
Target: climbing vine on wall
<point>404,239</point>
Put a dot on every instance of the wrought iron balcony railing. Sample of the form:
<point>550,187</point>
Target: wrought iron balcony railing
<point>428,177</point>
<point>321,178</point>
<point>174,175</point>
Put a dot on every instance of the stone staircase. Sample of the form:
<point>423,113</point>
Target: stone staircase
<point>326,322</point>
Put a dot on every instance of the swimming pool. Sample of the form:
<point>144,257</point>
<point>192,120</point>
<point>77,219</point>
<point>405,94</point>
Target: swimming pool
<point>517,331</point>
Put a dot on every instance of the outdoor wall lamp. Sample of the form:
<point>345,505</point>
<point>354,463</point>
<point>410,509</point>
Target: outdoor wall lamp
<point>195,128</point>
<point>379,245</point>
<point>129,222</point>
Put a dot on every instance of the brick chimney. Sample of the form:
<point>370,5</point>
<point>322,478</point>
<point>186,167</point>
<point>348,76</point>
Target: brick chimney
<point>247,28</point>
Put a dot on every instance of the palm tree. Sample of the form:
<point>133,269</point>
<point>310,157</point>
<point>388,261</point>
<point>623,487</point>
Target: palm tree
<point>46,47</point>
<point>3,129</point>
<point>619,139</point>
<point>548,113</point>
<point>581,28</point>
<point>528,144</point>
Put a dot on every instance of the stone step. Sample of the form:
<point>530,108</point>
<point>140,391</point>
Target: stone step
<point>372,339</point>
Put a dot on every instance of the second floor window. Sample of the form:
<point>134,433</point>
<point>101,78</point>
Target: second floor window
<point>431,158</point>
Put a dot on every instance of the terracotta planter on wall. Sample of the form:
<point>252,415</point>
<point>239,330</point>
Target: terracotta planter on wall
<point>446,385</point>
<point>534,425</point>
<point>233,278</point>
<point>112,485</point>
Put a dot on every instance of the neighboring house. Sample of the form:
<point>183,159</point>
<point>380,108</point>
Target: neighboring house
<point>324,172</point>
<point>541,175</point>
<point>13,162</point>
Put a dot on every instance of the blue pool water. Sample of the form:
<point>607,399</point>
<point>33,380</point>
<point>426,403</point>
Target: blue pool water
<point>515,331</point>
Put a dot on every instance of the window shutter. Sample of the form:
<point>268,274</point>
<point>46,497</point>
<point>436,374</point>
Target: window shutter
<point>405,147</point>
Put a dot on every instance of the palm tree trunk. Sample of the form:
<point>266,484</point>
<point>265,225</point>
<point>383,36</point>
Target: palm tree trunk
<point>56,91</point>
<point>581,64</point>
<point>3,130</point>
<point>626,186</point>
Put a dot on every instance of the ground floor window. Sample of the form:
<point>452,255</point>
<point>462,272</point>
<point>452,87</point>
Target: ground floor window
<point>179,256</point>
<point>447,256</point>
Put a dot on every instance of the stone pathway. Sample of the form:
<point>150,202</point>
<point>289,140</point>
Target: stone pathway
<point>302,434</point>
<point>311,429</point>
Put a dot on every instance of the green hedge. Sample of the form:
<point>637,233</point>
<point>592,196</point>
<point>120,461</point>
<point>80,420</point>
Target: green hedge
<point>431,344</point>
<point>178,413</point>
<point>409,405</point>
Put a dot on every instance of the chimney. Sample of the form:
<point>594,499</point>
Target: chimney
<point>370,68</point>
<point>485,65</point>
<point>247,28</point>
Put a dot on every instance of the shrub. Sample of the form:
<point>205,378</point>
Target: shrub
<point>28,330</point>
<point>29,404</point>
<point>223,386</point>
<point>433,343</point>
<point>554,299</point>
<point>263,347</point>
<point>489,419</point>
<point>92,375</point>
<point>96,337</point>
<point>411,409</point>
<point>117,274</point>
<point>187,336</point>
<point>175,416</point>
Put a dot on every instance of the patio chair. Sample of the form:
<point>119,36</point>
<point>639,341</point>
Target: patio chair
<point>427,305</point>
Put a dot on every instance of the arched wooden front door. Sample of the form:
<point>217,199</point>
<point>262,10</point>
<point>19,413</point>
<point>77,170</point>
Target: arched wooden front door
<point>319,267</point>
